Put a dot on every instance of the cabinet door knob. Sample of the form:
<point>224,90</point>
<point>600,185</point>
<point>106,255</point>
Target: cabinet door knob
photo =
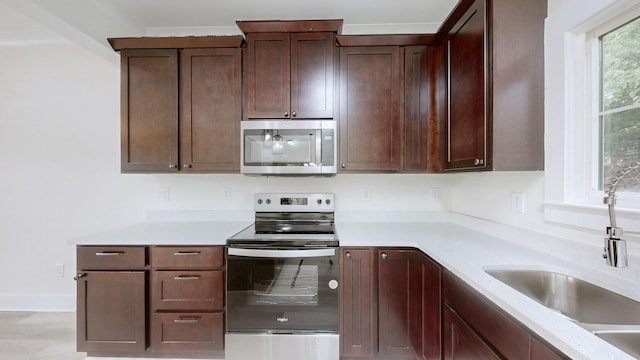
<point>293,113</point>
<point>348,255</point>
<point>186,166</point>
<point>477,162</point>
<point>173,166</point>
<point>384,256</point>
<point>344,166</point>
<point>286,114</point>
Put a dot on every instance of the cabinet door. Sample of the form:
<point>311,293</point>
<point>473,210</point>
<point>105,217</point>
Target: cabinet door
<point>416,103</point>
<point>461,342</point>
<point>540,351</point>
<point>268,75</point>
<point>467,115</point>
<point>210,110</point>
<point>312,75</point>
<point>111,312</point>
<point>149,110</point>
<point>399,304</point>
<point>431,310</point>
<point>369,108</point>
<point>358,320</point>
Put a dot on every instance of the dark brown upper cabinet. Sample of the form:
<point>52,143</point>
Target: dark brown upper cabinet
<point>210,109</point>
<point>181,104</point>
<point>388,120</point>
<point>494,70</point>
<point>290,69</point>
<point>370,119</point>
<point>149,110</point>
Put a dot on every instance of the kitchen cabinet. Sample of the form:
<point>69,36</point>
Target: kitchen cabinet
<point>187,302</point>
<point>174,101</point>
<point>290,74</point>
<point>399,305</point>
<point>358,303</point>
<point>495,86</point>
<point>111,299</point>
<point>370,118</point>
<point>210,110</point>
<point>384,294</point>
<point>149,110</point>
<point>388,109</point>
<point>416,93</point>
<point>475,328</point>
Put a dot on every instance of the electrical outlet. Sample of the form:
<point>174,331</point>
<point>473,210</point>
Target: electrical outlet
<point>366,194</point>
<point>226,191</point>
<point>59,270</point>
<point>435,194</point>
<point>162,194</point>
<point>517,202</point>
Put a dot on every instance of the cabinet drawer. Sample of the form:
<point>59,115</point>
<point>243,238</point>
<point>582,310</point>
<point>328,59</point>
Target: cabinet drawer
<point>187,332</point>
<point>188,290</point>
<point>187,257</point>
<point>111,257</point>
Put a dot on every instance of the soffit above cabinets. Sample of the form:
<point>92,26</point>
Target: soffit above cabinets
<point>85,21</point>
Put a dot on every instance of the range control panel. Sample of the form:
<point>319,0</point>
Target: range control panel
<point>289,202</point>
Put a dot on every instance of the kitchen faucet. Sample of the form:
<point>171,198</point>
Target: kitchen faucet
<point>615,248</point>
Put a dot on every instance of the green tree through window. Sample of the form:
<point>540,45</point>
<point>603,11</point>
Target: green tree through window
<point>620,102</point>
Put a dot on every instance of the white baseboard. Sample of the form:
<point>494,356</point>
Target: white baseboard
<point>40,303</point>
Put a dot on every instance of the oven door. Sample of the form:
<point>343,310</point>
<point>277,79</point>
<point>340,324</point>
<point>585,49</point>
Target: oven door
<point>282,290</point>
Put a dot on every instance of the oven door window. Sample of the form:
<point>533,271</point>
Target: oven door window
<point>282,294</point>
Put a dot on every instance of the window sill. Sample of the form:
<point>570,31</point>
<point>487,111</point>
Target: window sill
<point>592,217</point>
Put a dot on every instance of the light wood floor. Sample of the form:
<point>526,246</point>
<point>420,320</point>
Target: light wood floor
<point>38,336</point>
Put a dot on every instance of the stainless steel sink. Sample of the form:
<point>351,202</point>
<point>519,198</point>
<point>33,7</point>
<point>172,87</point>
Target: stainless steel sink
<point>628,342</point>
<point>612,317</point>
<point>577,299</point>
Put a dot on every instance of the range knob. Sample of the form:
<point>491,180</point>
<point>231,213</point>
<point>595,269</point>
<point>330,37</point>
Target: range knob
<point>268,201</point>
<point>328,201</point>
<point>319,201</point>
<point>259,201</point>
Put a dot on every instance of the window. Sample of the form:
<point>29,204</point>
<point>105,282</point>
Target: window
<point>619,100</point>
<point>592,110</point>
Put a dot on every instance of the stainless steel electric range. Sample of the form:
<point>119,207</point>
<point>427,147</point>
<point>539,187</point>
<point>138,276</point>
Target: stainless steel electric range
<point>282,281</point>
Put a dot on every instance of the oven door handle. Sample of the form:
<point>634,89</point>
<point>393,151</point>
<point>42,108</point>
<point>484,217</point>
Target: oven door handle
<point>278,253</point>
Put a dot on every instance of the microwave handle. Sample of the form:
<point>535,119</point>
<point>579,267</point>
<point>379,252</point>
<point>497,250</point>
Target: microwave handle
<point>277,253</point>
<point>318,160</point>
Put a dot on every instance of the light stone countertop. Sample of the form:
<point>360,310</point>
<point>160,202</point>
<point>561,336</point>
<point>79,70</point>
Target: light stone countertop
<point>167,233</point>
<point>450,240</point>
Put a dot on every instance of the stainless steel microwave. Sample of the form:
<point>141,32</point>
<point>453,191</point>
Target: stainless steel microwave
<point>298,147</point>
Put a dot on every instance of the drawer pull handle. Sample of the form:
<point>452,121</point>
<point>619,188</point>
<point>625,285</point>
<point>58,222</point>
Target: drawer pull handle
<point>186,253</point>
<point>79,276</point>
<point>192,320</point>
<point>109,253</point>
<point>187,277</point>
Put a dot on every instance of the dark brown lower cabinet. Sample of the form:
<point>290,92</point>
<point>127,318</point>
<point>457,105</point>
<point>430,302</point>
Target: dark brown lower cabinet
<point>357,303</point>
<point>187,301</point>
<point>474,328</point>
<point>151,301</point>
<point>461,342</point>
<point>111,299</point>
<point>111,311</point>
<point>399,305</point>
<point>384,294</point>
